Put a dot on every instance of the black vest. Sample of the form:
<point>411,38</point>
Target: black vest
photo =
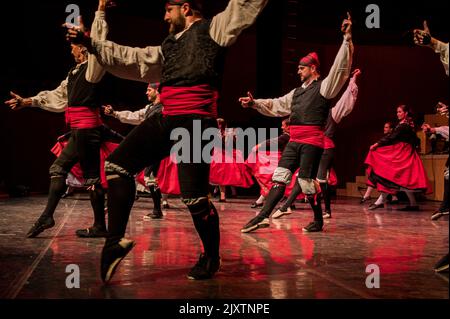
<point>195,58</point>
<point>79,91</point>
<point>309,107</point>
<point>153,109</point>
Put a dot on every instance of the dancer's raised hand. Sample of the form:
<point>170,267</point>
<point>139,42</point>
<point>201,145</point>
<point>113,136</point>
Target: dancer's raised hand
<point>247,101</point>
<point>346,27</point>
<point>17,102</point>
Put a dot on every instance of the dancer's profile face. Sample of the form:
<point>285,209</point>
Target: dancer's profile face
<point>305,73</point>
<point>387,128</point>
<point>175,18</point>
<point>77,53</point>
<point>401,115</point>
<point>151,94</point>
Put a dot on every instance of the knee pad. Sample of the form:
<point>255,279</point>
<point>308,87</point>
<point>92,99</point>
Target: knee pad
<point>92,182</point>
<point>113,171</point>
<point>309,186</point>
<point>150,181</point>
<point>198,206</point>
<point>324,179</point>
<point>57,171</point>
<point>282,175</point>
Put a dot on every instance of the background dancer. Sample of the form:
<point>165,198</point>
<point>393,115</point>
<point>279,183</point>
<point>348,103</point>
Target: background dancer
<point>262,162</point>
<point>387,129</point>
<point>75,176</point>
<point>136,118</point>
<point>444,132</point>
<point>394,165</point>
<point>227,164</point>
<point>78,96</point>
<point>424,38</point>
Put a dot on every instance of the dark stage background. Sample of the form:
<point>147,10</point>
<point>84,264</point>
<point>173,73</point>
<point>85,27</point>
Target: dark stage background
<point>264,60</point>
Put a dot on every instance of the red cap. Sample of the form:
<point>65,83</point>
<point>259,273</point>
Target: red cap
<point>154,85</point>
<point>310,59</point>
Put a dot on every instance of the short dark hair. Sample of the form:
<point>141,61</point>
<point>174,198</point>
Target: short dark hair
<point>391,124</point>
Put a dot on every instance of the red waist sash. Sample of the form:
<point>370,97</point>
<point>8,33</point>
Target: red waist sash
<point>83,117</point>
<point>307,134</point>
<point>199,99</point>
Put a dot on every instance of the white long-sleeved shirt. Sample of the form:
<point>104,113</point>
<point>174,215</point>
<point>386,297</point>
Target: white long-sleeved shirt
<point>346,103</point>
<point>329,87</point>
<point>130,117</point>
<point>443,131</point>
<point>56,100</point>
<point>442,49</point>
<point>145,64</point>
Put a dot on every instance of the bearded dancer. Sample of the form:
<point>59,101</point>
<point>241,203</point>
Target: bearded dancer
<point>189,92</point>
<point>77,95</point>
<point>308,107</point>
<point>342,108</point>
<point>136,118</point>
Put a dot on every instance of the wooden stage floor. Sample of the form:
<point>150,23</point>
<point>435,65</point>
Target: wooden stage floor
<point>279,262</point>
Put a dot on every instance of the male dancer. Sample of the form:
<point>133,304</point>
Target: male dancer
<point>136,118</point>
<point>424,38</point>
<point>443,131</point>
<point>254,163</point>
<point>342,108</point>
<point>189,65</point>
<point>78,96</point>
<point>308,107</point>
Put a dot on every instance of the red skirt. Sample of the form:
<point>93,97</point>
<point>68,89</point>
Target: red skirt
<point>168,176</point>
<point>262,165</point>
<point>229,169</point>
<point>332,179</point>
<point>396,167</point>
<point>106,149</point>
<point>140,178</point>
